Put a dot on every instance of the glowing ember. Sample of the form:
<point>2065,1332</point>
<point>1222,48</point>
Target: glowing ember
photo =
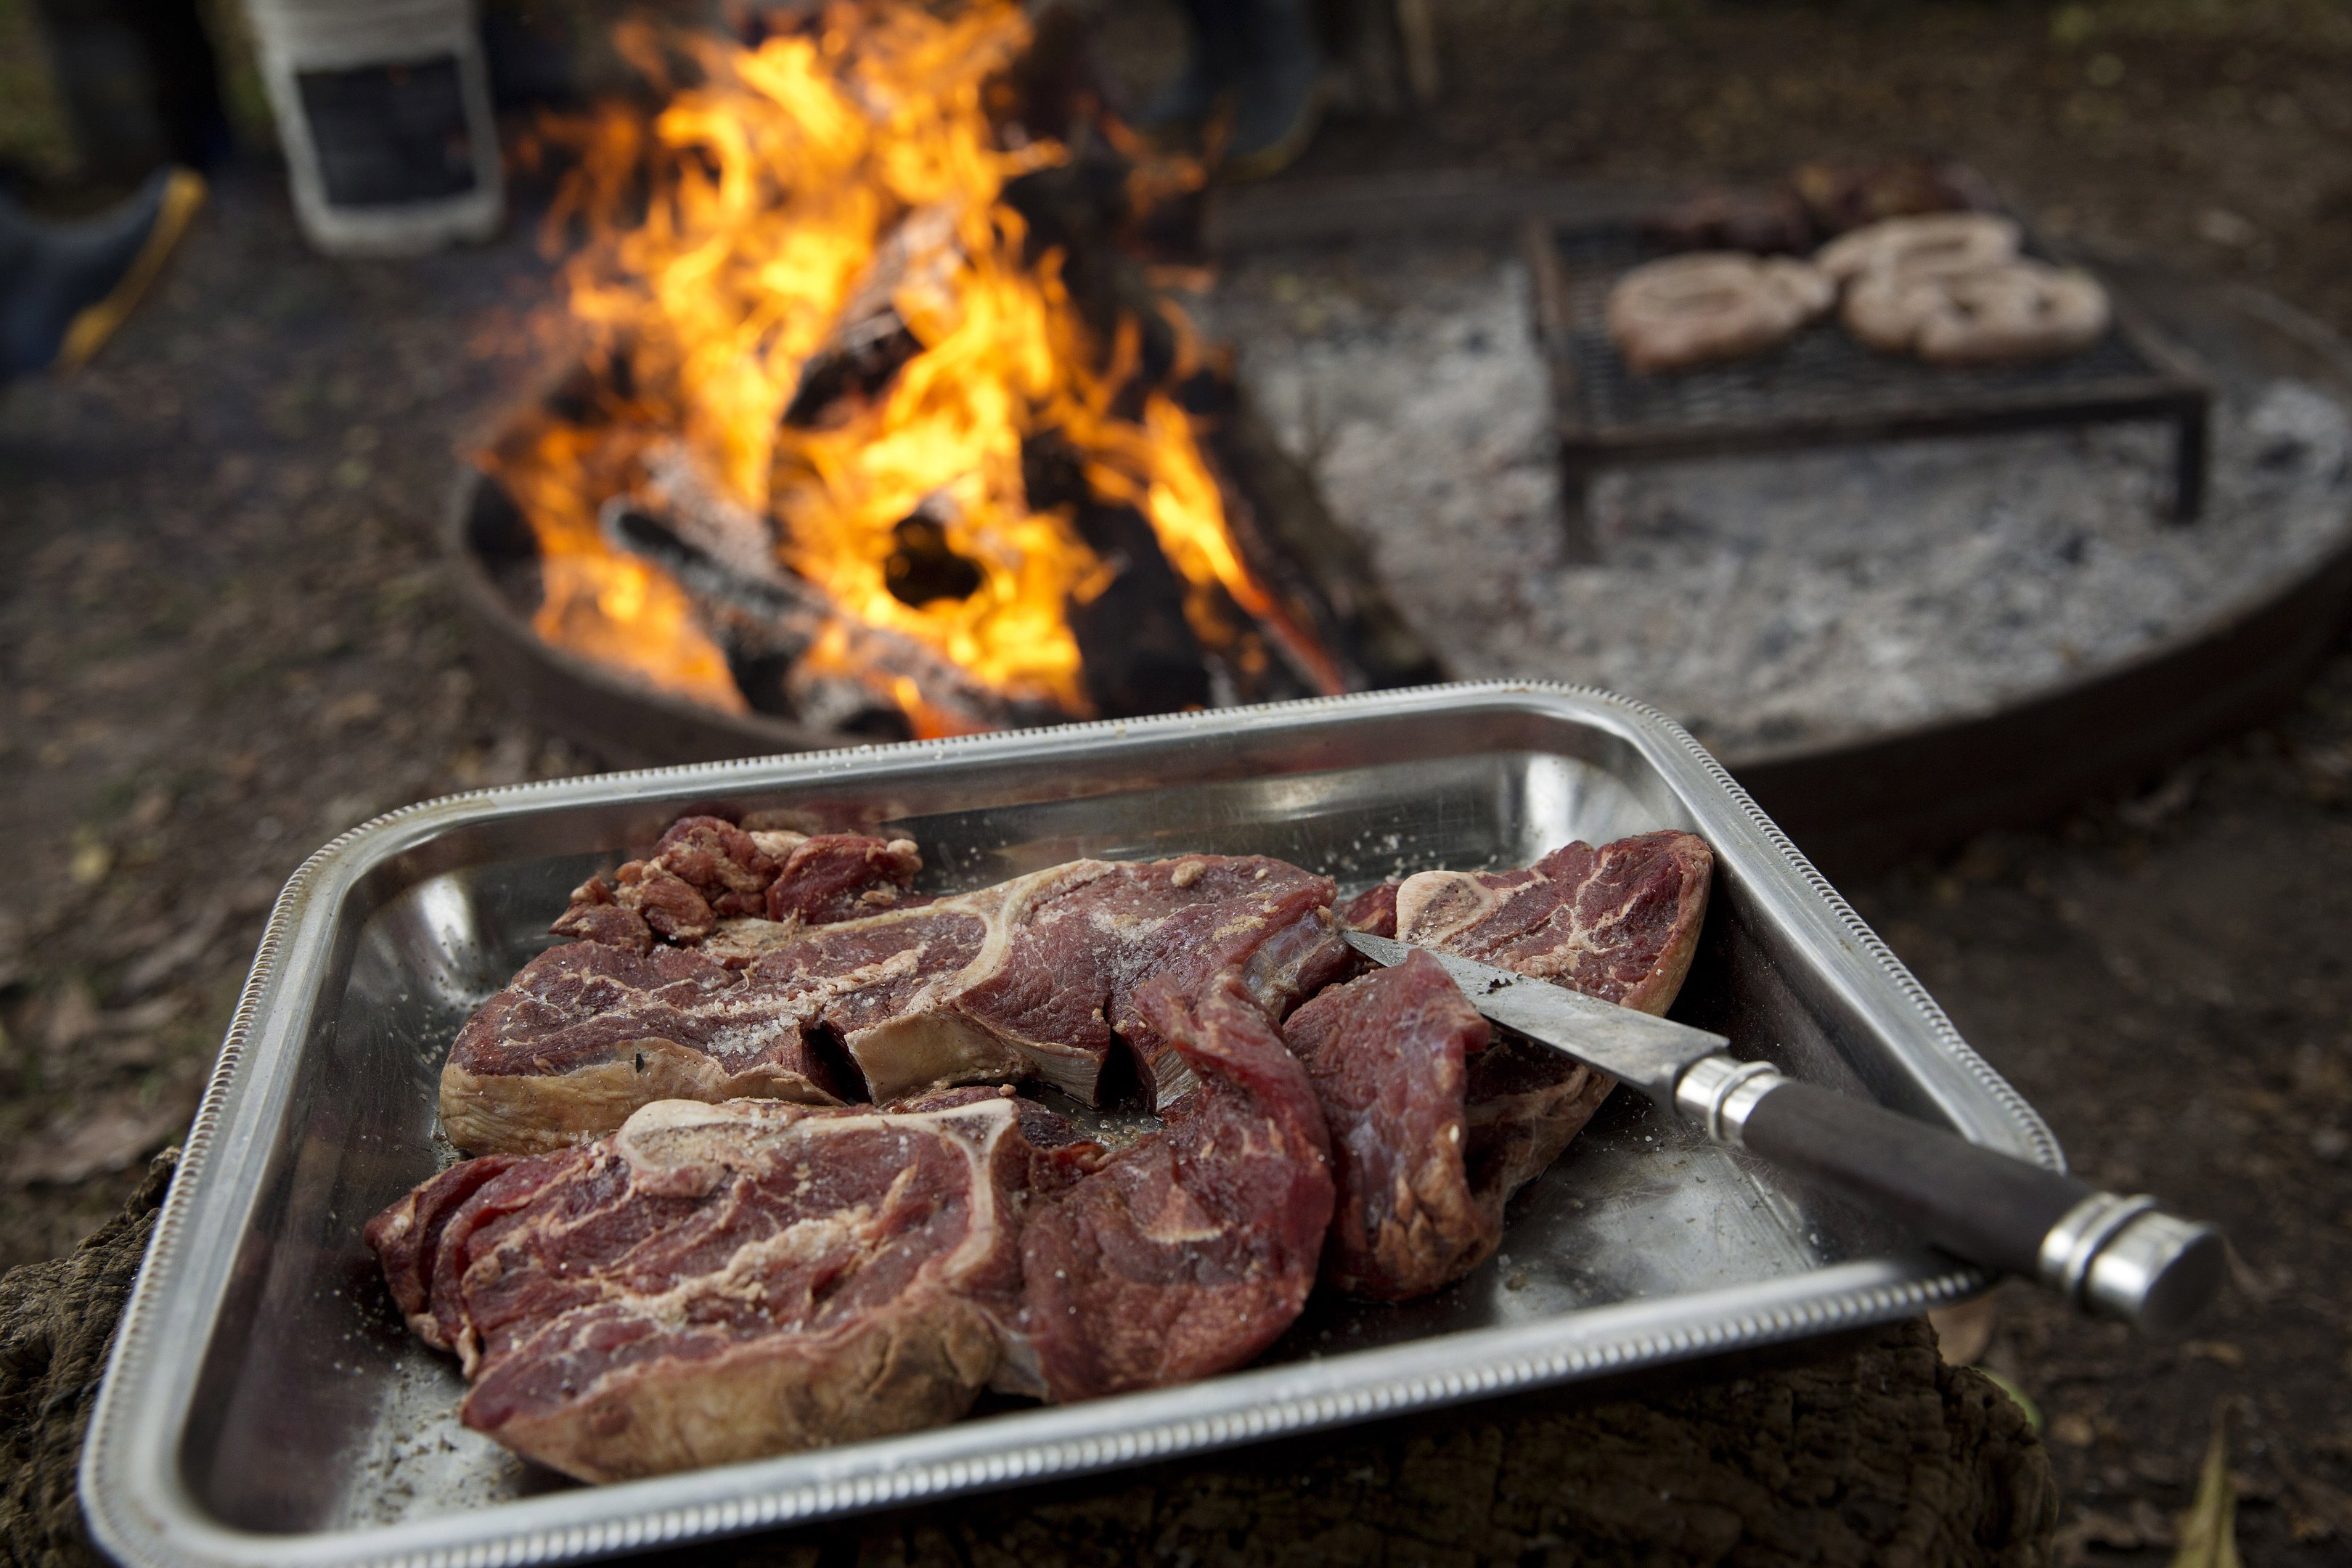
<point>829,204</point>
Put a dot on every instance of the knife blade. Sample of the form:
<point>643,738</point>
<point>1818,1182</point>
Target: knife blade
<point>2114,1256</point>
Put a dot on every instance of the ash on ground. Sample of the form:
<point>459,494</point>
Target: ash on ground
<point>1770,603</point>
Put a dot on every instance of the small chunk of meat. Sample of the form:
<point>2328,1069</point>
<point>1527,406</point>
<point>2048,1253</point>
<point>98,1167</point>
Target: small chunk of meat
<point>1191,1250</point>
<point>1373,911</point>
<point>842,877</point>
<point>1387,1054</point>
<point>594,915</point>
<point>707,877</point>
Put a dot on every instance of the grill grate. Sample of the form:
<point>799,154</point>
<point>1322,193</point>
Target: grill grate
<point>1823,388</point>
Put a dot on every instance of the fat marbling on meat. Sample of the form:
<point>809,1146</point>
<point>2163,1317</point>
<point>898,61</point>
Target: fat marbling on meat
<point>1028,978</point>
<point>1432,1128</point>
<point>1193,1249</point>
<point>719,1282</point>
<point>714,1283</point>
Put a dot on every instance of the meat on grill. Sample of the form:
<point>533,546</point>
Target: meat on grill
<point>715,1283</point>
<point>706,873</point>
<point>1387,1054</point>
<point>1030,977</point>
<point>1432,1134</point>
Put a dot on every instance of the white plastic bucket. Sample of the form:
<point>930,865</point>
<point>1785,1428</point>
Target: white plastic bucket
<point>384,108</point>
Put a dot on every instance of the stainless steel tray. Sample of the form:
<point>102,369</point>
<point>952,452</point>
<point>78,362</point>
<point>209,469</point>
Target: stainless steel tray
<point>264,1405</point>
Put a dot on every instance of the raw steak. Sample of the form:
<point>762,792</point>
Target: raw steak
<point>1388,1056</point>
<point>588,1032</point>
<point>1193,1249</point>
<point>1620,923</point>
<point>715,1283</point>
<point>706,873</point>
<point>1030,977</point>
<point>407,1236</point>
<point>1372,910</point>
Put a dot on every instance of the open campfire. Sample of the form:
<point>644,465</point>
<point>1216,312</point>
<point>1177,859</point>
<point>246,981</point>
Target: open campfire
<point>873,427</point>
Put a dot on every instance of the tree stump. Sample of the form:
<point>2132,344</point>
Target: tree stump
<point>1864,1449</point>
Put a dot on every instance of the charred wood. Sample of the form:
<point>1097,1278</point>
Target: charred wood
<point>768,617</point>
<point>1311,564</point>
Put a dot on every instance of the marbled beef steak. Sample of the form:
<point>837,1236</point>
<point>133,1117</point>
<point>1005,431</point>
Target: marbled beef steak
<point>1191,1250</point>
<point>1620,923</point>
<point>589,1031</point>
<point>1433,1129</point>
<point>714,1283</point>
<point>1030,977</point>
<point>1387,1054</point>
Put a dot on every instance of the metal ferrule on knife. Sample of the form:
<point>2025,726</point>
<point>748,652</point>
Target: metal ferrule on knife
<point>2118,1256</point>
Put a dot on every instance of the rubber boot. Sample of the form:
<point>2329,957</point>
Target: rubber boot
<point>65,287</point>
<point>1277,86</point>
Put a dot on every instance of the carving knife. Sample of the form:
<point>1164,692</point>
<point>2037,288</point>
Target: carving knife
<point>2116,1256</point>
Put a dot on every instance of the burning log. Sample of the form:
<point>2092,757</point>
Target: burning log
<point>871,340</point>
<point>881,428</point>
<point>791,650</point>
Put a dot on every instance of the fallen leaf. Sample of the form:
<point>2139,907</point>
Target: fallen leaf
<point>111,1139</point>
<point>358,708</point>
<point>2209,1530</point>
<point>2249,1284</point>
<point>148,811</point>
<point>91,863</point>
<point>2074,1429</point>
<point>1963,1329</point>
<point>140,1019</point>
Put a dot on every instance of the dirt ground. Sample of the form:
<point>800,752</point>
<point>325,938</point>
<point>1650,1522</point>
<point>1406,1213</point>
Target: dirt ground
<point>225,640</point>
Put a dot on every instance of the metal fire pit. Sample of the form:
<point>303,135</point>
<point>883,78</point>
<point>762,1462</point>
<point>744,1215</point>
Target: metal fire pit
<point>1306,559</point>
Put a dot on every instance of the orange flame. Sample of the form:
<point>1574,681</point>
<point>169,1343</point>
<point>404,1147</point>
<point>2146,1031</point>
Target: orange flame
<point>795,191</point>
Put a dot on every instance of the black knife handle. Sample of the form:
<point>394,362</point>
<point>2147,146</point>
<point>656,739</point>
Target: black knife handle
<point>2119,1256</point>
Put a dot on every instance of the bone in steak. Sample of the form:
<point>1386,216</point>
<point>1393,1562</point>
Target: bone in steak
<point>1027,977</point>
<point>588,1032</point>
<point>1387,1054</point>
<point>1191,1250</point>
<point>1033,976</point>
<point>715,1283</point>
